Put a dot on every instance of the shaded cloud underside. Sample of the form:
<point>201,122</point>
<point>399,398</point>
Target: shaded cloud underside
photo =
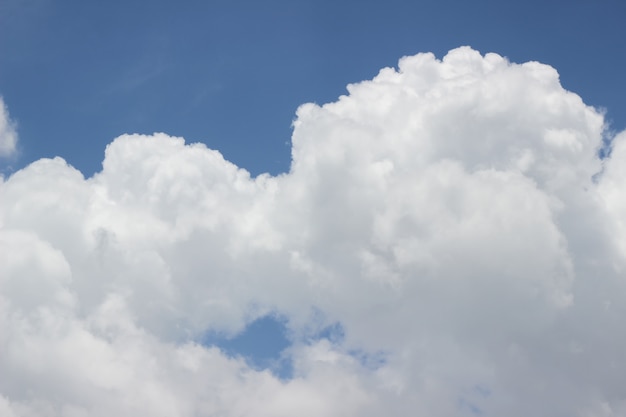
<point>451,215</point>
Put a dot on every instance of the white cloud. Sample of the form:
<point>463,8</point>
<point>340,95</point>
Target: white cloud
<point>8,133</point>
<point>444,214</point>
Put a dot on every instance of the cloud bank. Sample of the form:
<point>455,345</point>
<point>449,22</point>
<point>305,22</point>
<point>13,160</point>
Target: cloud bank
<point>451,217</point>
<point>8,133</point>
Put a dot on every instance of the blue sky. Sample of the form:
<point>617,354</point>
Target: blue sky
<point>76,74</point>
<point>389,259</point>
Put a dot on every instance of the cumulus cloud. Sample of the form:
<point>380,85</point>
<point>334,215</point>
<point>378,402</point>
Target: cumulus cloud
<point>8,134</point>
<point>452,217</point>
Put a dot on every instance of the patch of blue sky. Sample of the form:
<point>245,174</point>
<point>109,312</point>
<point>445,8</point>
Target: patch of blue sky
<point>265,342</point>
<point>334,333</point>
<point>369,360</point>
<point>482,390</point>
<point>262,345</point>
<point>472,402</point>
<point>469,407</point>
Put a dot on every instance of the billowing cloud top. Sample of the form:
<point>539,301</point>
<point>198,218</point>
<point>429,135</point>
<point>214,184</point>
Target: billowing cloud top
<point>8,134</point>
<point>452,217</point>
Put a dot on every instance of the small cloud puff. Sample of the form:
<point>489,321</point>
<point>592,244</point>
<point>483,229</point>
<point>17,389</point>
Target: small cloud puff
<point>8,132</point>
<point>450,216</point>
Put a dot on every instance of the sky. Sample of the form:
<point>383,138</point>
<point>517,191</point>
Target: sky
<point>312,208</point>
<point>76,74</point>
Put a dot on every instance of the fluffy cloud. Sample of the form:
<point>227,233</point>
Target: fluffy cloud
<point>452,217</point>
<point>8,134</point>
